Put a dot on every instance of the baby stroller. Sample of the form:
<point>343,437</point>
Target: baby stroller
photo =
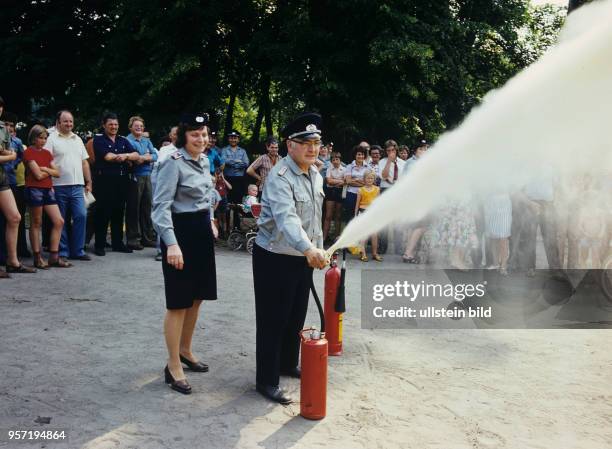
<point>245,236</point>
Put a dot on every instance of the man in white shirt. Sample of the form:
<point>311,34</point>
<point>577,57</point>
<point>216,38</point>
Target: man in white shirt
<point>70,155</point>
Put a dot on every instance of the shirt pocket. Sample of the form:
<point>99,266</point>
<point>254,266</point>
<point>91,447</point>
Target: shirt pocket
<point>302,199</point>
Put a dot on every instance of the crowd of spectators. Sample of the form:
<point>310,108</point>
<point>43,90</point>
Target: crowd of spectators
<point>72,190</point>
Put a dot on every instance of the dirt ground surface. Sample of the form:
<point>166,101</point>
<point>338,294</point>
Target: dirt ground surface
<point>84,348</point>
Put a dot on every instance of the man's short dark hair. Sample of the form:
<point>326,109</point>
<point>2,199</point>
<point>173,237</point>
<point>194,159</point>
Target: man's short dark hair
<point>271,140</point>
<point>375,147</point>
<point>109,116</point>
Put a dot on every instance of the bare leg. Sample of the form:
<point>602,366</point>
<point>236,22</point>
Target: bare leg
<point>173,328</point>
<point>415,236</point>
<point>35,226</point>
<point>495,252</point>
<point>374,245</point>
<point>12,216</point>
<point>504,252</point>
<point>58,223</point>
<point>191,318</point>
<point>338,219</point>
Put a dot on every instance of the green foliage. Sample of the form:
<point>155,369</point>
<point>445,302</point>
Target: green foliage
<point>374,69</point>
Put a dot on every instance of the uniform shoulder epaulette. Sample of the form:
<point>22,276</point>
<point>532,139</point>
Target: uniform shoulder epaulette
<point>98,135</point>
<point>176,155</point>
<point>282,171</point>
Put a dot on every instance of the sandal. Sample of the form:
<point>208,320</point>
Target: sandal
<point>377,258</point>
<point>20,269</point>
<point>4,275</point>
<point>59,263</point>
<point>363,257</point>
<point>39,262</point>
<point>410,259</point>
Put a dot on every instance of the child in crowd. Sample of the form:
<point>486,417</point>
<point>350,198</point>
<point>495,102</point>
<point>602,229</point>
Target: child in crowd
<point>365,196</point>
<point>222,186</point>
<point>250,198</point>
<point>40,195</point>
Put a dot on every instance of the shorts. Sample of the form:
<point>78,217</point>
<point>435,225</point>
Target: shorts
<point>222,207</point>
<point>4,184</point>
<point>333,194</point>
<point>39,196</point>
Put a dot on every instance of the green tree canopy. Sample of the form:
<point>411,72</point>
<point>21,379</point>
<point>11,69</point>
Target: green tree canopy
<point>374,69</point>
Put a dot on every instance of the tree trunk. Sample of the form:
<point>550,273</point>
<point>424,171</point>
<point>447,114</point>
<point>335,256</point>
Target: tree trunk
<point>267,108</point>
<point>229,115</point>
<point>257,127</point>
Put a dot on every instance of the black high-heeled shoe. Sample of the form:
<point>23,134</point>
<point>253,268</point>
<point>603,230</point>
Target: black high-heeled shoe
<point>182,386</point>
<point>198,367</point>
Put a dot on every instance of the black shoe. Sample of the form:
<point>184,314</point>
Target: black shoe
<point>122,249</point>
<point>274,393</point>
<point>84,257</point>
<point>198,367</point>
<point>100,252</point>
<point>182,386</point>
<point>296,373</point>
<point>137,247</point>
<point>159,257</point>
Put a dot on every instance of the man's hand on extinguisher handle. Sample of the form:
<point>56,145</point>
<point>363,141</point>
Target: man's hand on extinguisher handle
<point>316,258</point>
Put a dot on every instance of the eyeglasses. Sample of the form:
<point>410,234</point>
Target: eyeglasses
<point>312,143</point>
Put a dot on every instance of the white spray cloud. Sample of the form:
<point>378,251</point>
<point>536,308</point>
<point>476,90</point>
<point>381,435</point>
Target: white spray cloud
<point>555,112</point>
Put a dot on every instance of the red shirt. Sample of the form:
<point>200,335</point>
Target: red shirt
<point>43,158</point>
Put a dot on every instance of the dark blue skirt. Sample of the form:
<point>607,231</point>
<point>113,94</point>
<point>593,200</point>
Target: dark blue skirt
<point>198,278</point>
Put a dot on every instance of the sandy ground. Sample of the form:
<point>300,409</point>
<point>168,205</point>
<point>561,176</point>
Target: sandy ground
<point>84,347</point>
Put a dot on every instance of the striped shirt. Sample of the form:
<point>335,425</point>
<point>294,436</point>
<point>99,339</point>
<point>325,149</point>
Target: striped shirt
<point>263,164</point>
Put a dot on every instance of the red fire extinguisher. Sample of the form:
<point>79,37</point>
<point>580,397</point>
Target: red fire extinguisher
<point>313,385</point>
<point>334,304</point>
<point>314,347</point>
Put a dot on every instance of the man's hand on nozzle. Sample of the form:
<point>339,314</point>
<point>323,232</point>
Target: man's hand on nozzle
<point>317,258</point>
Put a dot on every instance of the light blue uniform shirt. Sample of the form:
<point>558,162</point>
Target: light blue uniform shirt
<point>183,184</point>
<point>236,162</point>
<point>144,146</point>
<point>291,210</point>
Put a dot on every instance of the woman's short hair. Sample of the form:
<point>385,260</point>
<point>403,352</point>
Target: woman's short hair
<point>135,118</point>
<point>390,143</point>
<point>181,131</point>
<point>36,132</point>
<point>335,155</point>
<point>358,149</point>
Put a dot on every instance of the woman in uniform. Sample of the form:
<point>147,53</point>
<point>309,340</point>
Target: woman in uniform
<point>182,216</point>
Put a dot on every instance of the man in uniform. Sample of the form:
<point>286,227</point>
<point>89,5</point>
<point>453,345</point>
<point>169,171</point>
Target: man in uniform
<point>289,244</point>
<point>111,183</point>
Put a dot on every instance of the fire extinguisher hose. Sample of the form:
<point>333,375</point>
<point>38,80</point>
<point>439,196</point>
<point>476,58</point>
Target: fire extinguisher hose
<point>318,301</point>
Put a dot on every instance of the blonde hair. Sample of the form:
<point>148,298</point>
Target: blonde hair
<point>36,132</point>
<point>135,118</point>
<point>369,173</point>
<point>252,186</point>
